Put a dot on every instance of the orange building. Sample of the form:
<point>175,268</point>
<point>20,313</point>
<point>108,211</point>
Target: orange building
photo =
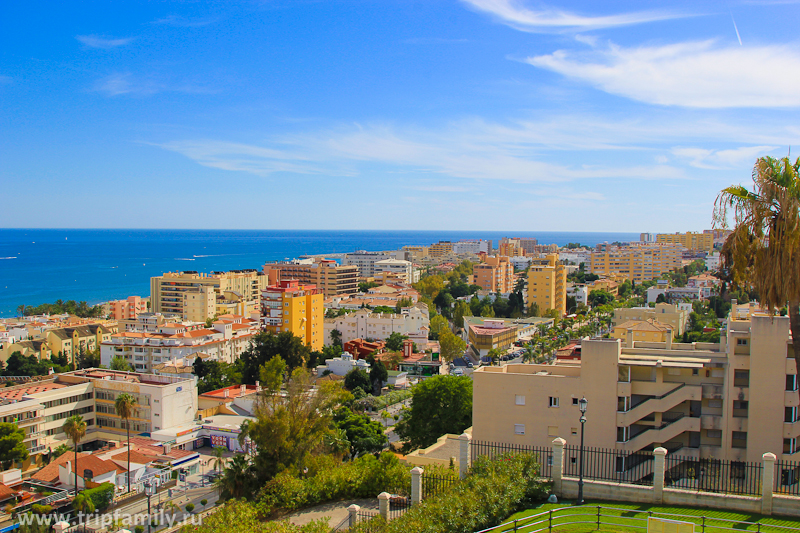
<point>128,308</point>
<point>293,307</point>
<point>494,274</point>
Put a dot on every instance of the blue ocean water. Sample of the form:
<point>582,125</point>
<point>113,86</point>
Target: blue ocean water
<point>42,265</point>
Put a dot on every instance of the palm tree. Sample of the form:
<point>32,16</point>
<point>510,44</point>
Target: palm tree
<point>83,504</point>
<point>237,479</point>
<point>75,428</point>
<point>244,433</point>
<point>763,250</point>
<point>125,405</point>
<point>219,461</point>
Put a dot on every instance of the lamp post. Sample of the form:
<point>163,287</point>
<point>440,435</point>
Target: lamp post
<point>149,489</point>
<point>582,404</point>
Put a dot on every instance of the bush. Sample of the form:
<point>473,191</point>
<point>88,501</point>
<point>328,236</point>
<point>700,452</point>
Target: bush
<point>203,502</point>
<point>241,516</point>
<point>101,496</point>
<point>189,507</point>
<point>138,529</point>
<point>41,509</point>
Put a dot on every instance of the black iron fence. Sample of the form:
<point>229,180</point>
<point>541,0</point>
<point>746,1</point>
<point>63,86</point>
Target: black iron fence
<point>436,483</point>
<point>608,464</point>
<point>787,478</point>
<point>713,475</point>
<point>493,449</point>
<point>398,505</point>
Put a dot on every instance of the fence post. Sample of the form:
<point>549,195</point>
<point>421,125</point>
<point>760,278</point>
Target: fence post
<point>767,482</point>
<point>353,511</point>
<point>416,485</point>
<point>463,454</point>
<point>659,469</point>
<point>558,466</point>
<point>383,505</point>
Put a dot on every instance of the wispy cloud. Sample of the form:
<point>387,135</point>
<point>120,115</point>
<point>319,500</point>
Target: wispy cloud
<point>692,74</point>
<point>97,41</point>
<point>513,13</point>
<point>721,159</point>
<point>183,22</point>
<point>122,83</point>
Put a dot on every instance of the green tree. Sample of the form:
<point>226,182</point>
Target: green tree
<point>119,363</point>
<point>403,302</point>
<point>238,478</point>
<point>60,450</point>
<point>439,405</point>
<point>11,447</point>
<point>89,358</point>
<point>357,378</point>
<point>336,337</point>
<point>461,310</point>
<point>364,286</point>
<point>763,250</point>
<point>82,503</point>
<point>125,406</point>
<point>437,325</point>
<point>494,354</point>
<point>75,428</point>
<point>394,342</point>
<point>600,297</point>
<point>364,434</point>
<point>487,311</point>
<point>378,374</point>
<point>267,345</point>
<point>450,346</point>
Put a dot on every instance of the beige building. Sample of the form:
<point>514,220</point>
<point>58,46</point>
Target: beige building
<point>693,241</point>
<point>293,307</point>
<point>440,249</point>
<point>693,399</point>
<point>547,285</point>
<point>674,315</point>
<point>638,262</point>
<point>494,274</point>
<point>195,296</point>
<point>334,279</point>
<point>642,330</point>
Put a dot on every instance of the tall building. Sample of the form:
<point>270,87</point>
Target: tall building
<point>510,247</point>
<point>127,308</point>
<point>403,270</point>
<point>647,237</point>
<point>528,245</point>
<point>636,262</point>
<point>297,308</point>
<point>547,285</point>
<point>495,274</point>
<point>472,247</point>
<point>195,296</point>
<point>334,279</point>
<point>692,241</point>
<point>696,398</point>
<point>440,249</point>
<point>365,261</point>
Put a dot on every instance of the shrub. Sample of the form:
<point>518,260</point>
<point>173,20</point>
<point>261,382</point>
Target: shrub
<point>189,507</point>
<point>241,516</point>
<point>138,529</point>
<point>41,509</point>
<point>101,496</point>
<point>203,502</point>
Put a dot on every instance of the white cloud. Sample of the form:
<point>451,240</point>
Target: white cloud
<point>691,74</point>
<point>515,14</point>
<point>121,83</point>
<point>96,41</point>
<point>721,159</point>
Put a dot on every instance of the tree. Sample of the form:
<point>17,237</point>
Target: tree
<point>392,360</point>
<point>125,405</point>
<point>661,298</point>
<point>403,302</point>
<point>439,405</point>
<point>487,311</point>
<point>378,374</point>
<point>394,342</point>
<point>437,325</point>
<point>89,358</point>
<point>11,447</point>
<point>364,434</point>
<point>357,378</point>
<point>60,450</point>
<point>495,354</point>
<point>461,310</point>
<point>119,363</point>
<point>75,428</point>
<point>600,297</point>
<point>763,250</point>
<point>237,479</point>
<point>267,345</point>
<point>364,286</point>
<point>450,346</point>
<point>82,503</point>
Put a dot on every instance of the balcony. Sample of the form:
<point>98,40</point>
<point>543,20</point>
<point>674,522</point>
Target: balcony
<point>659,404</point>
<point>712,392</point>
<point>664,433</point>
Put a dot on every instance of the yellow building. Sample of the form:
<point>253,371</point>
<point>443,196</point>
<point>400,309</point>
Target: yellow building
<point>440,249</point>
<point>672,315</point>
<point>510,247</point>
<point>297,308</point>
<point>547,285</point>
<point>639,262</point>
<point>692,241</point>
<point>494,274</point>
<point>642,330</point>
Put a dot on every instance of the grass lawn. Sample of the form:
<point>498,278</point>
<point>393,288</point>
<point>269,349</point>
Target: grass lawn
<point>622,517</point>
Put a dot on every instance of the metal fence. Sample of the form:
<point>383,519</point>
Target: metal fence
<point>493,449</point>
<point>787,478</point>
<point>434,484</point>
<point>608,464</point>
<point>397,506</point>
<point>713,475</point>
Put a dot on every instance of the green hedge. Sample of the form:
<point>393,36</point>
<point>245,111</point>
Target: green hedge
<point>101,496</point>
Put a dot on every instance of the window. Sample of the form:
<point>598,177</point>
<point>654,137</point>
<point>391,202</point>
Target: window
<point>519,399</point>
<point>574,401</point>
<point>789,446</point>
<point>714,433</point>
<point>741,378</point>
<point>623,434</point>
<point>519,429</point>
<point>790,414</point>
<point>574,431</point>
<point>553,402</point>
<point>741,342</point>
<point>715,404</point>
<point>791,382</point>
<point>739,439</point>
<point>739,404</point>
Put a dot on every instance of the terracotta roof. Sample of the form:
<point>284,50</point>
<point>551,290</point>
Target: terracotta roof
<point>17,394</point>
<point>50,472</point>
<point>6,492</point>
<point>95,464</point>
<point>644,325</point>
<point>136,457</point>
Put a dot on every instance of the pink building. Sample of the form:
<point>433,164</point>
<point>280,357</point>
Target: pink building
<point>128,308</point>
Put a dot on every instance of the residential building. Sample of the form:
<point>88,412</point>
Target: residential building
<point>510,247</point>
<point>528,245</point>
<point>71,342</point>
<point>361,348</point>
<point>577,256</point>
<point>403,270</point>
<point>692,241</point>
<point>638,262</point>
<point>388,295</point>
<point>363,324</point>
<point>642,330</point>
<point>521,262</point>
<point>365,261</point>
<point>340,366</point>
<point>440,249</point>
<point>415,253</point>
<point>547,285</point>
<point>693,399</point>
<point>675,316</point>
<point>705,281</point>
<point>472,247</point>
<point>647,237</point>
<point>495,274</point>
<point>127,308</point>
<point>484,334</point>
<point>194,296</point>
<point>328,275</point>
<point>227,338</point>
<point>297,308</point>
<point>719,235</point>
<point>712,261</point>
<point>149,322</point>
<point>580,293</point>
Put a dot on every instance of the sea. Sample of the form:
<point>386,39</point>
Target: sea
<point>96,265</point>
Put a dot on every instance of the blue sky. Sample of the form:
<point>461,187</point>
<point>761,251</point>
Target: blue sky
<point>383,114</point>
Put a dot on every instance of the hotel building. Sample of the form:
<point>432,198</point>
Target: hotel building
<point>636,262</point>
<point>334,279</point>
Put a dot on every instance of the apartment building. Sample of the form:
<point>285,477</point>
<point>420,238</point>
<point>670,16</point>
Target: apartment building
<point>484,334</point>
<point>638,262</point>
<point>528,245</point>
<point>673,315</point>
<point>510,247</point>
<point>472,247</point>
<point>293,307</point>
<point>642,330</point>
<point>494,274</point>
<point>365,261</point>
<point>440,249</point>
<point>415,253</point>
<point>40,408</point>
<point>547,285</point>
<point>693,399</point>
<point>692,241</point>
<point>127,308</point>
<point>72,341</point>
<point>328,275</point>
<point>227,338</point>
<point>402,270</point>
<point>194,296</point>
<point>364,324</point>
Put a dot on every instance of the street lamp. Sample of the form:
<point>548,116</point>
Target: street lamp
<point>582,404</point>
<point>150,489</point>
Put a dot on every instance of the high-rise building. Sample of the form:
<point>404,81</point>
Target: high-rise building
<point>365,261</point>
<point>547,285</point>
<point>334,279</point>
<point>638,262</point>
<point>127,308</point>
<point>692,241</point>
<point>495,274</point>
<point>440,249</point>
<point>528,245</point>
<point>472,247</point>
<point>510,247</point>
<point>297,308</point>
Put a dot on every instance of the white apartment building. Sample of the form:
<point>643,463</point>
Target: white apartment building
<point>712,261</point>
<point>340,366</point>
<point>576,256</point>
<point>402,269</point>
<point>580,293</point>
<point>228,337</point>
<point>472,247</point>
<point>365,261</point>
<point>364,324</point>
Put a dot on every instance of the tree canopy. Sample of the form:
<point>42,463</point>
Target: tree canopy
<point>267,345</point>
<point>11,447</point>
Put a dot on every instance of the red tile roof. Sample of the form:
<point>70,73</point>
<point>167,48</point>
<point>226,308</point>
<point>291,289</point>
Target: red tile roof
<point>50,472</point>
